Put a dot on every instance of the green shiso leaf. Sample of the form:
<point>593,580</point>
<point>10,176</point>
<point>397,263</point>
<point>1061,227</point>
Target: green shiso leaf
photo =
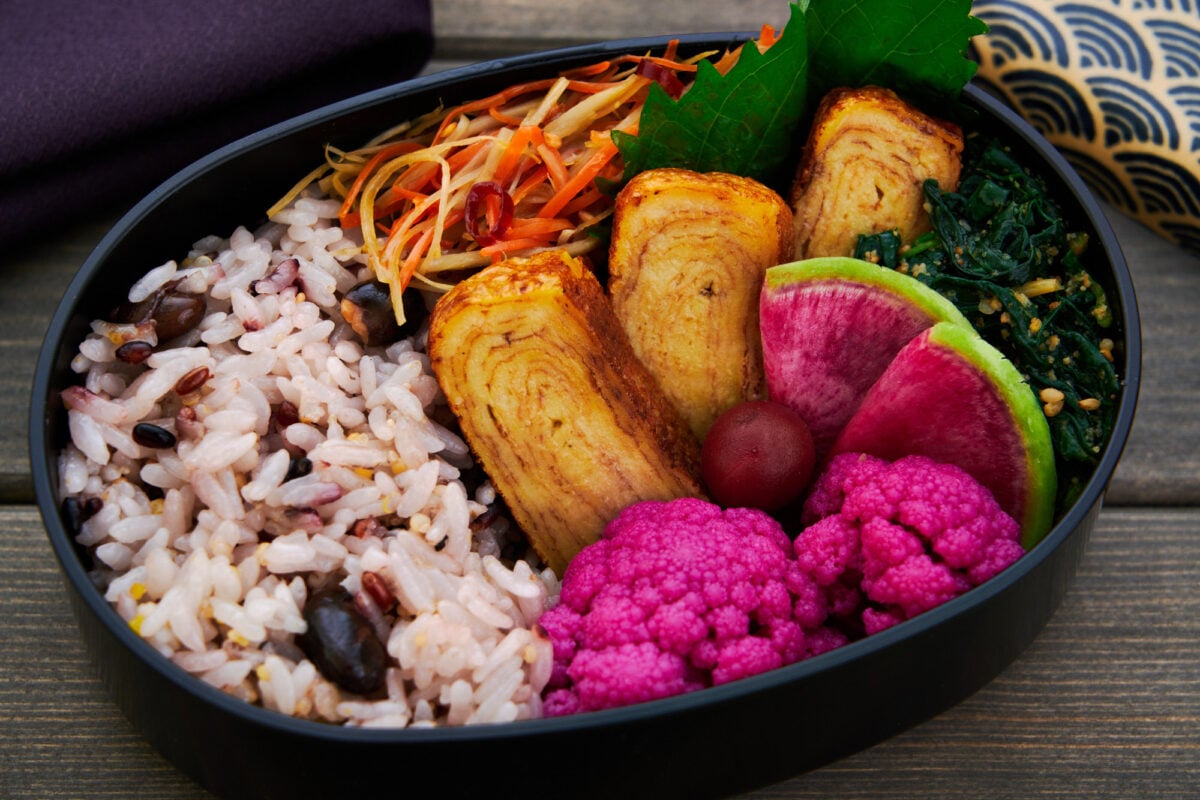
<point>742,122</point>
<point>916,47</point>
<point>747,122</point>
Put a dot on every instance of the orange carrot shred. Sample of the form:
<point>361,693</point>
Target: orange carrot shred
<point>554,165</point>
<point>511,245</point>
<point>601,156</point>
<point>413,260</point>
<point>536,226</point>
<point>535,179</point>
<point>515,149</point>
<point>582,202</point>
<point>386,154</point>
<point>501,117</point>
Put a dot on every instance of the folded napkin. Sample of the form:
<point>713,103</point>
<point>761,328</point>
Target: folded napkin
<point>1115,86</point>
<point>102,100</point>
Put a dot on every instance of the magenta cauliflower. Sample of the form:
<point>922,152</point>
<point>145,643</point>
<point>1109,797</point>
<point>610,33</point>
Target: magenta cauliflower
<point>886,542</point>
<point>675,597</point>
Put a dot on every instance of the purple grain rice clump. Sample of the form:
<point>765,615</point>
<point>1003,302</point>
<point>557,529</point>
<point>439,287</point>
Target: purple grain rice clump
<point>232,465</point>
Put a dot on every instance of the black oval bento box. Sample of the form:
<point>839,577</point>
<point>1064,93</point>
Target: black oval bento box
<point>717,741</point>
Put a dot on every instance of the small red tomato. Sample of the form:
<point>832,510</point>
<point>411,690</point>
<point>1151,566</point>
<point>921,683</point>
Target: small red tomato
<point>758,454</point>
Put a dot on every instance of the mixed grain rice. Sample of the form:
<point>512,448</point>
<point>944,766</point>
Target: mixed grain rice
<point>214,563</point>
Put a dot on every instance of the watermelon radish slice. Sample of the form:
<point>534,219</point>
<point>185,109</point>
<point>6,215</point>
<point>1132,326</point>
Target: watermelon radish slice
<point>830,326</point>
<point>951,396</point>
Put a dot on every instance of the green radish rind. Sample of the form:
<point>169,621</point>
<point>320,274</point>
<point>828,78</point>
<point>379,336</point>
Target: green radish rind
<point>1028,417</point>
<point>855,270</point>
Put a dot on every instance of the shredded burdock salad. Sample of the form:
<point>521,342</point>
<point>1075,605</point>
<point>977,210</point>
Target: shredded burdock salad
<point>507,175</point>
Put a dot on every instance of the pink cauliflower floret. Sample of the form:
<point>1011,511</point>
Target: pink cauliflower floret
<point>886,542</point>
<point>675,597</point>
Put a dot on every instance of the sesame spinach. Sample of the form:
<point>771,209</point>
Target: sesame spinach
<point>1002,252</point>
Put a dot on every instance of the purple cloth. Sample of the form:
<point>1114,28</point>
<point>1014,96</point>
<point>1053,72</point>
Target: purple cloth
<point>101,100</point>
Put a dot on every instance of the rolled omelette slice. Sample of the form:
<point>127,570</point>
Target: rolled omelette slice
<point>867,157</point>
<point>562,416</point>
<point>688,254</point>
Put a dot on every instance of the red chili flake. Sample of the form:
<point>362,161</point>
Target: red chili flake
<point>373,585</point>
<point>661,75</point>
<point>192,381</point>
<point>489,212</point>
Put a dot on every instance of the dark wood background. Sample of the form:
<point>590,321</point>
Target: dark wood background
<point>1104,704</point>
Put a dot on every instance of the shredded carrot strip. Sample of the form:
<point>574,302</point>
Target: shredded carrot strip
<point>535,179</point>
<point>582,202</point>
<point>386,154</point>
<point>554,164</point>
<point>464,156</point>
<point>417,178</point>
<point>599,68</point>
<point>727,61</point>
<point>579,180</point>
<point>516,148</point>
<point>538,226</point>
<point>414,258</point>
<point>394,243</point>
<point>502,118</point>
<point>511,245</point>
<point>387,204</point>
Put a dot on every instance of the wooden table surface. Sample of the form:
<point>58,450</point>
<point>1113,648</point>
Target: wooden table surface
<point>1104,704</point>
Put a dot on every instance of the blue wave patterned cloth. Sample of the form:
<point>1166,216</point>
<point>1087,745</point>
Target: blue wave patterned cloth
<point>1115,86</point>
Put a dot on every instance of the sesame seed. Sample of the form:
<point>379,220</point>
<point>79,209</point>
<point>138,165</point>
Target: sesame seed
<point>1051,395</point>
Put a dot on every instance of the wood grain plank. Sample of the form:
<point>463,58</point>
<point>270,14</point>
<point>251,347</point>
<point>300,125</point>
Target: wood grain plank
<point>1161,463</point>
<point>519,26</point>
<point>1104,704</point>
<point>32,281</point>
